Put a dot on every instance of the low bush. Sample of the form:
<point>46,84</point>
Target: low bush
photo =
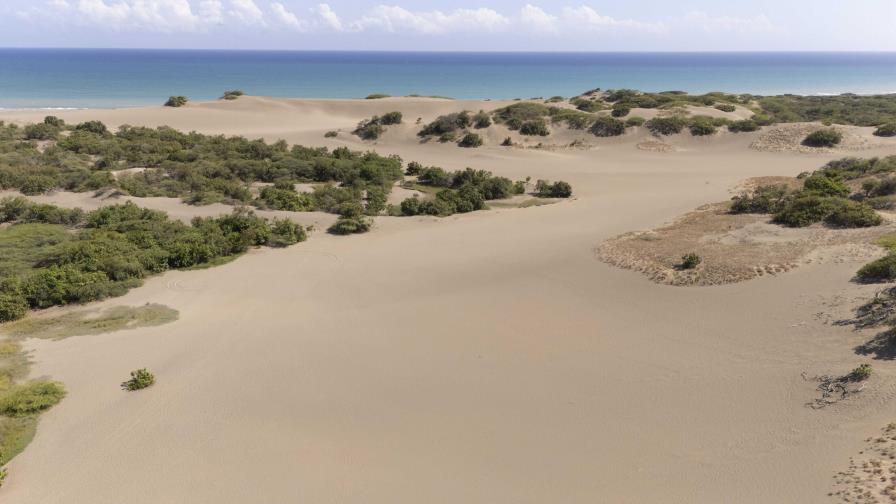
<point>391,118</point>
<point>350,225</point>
<point>666,125</point>
<point>880,270</point>
<point>559,189</point>
<point>54,121</point>
<point>702,126</point>
<point>690,261</point>
<point>725,107</point>
<point>635,121</point>
<point>743,126</point>
<point>232,94</point>
<point>95,127</point>
<point>377,96</point>
<point>620,110</point>
<point>176,101</point>
<point>766,199</point>
<point>851,214</point>
<point>331,134</point>
<point>886,130</point>
<point>861,373</point>
<point>481,120</point>
<point>823,138</point>
<point>535,127</point>
<point>449,123</point>
<point>471,140</point>
<point>30,398</point>
<point>825,186</point>
<point>370,129</point>
<point>140,379</point>
<point>605,126</point>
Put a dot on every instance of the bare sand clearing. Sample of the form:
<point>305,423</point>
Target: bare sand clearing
<point>481,358</point>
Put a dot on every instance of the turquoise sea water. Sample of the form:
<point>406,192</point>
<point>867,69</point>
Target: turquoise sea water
<point>88,78</point>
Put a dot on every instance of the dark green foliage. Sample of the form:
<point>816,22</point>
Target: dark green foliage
<point>470,140</point>
<point>377,96</point>
<point>573,118</point>
<point>809,208</point>
<point>370,129</point>
<point>843,109</point>
<point>95,127</point>
<point>481,120</point>
<point>464,191</point>
<point>519,113</point>
<point>852,168</point>
<point>414,168</point>
<point>331,134</point>
<point>690,261</point>
<point>881,270</point>
<point>852,214</point>
<point>586,105</point>
<point>446,124</point>
<point>535,127</point>
<point>41,131</point>
<point>350,225</point>
<point>54,121</point>
<point>508,142</point>
<point>31,398</point>
<point>861,373</point>
<point>12,307</point>
<point>825,186</point>
<point>140,379</point>
<point>113,249</point>
<point>620,110</point>
<point>823,138</point>
<point>559,189</point>
<point>285,197</point>
<point>743,126</point>
<point>666,125</point>
<point>702,126</point>
<point>232,94</point>
<point>176,101</point>
<point>555,99</point>
<point>726,107</point>
<point>886,130</point>
<point>764,200</point>
<point>391,118</point>
<point>605,126</point>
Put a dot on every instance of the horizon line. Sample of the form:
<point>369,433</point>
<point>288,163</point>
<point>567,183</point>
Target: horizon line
<point>440,51</point>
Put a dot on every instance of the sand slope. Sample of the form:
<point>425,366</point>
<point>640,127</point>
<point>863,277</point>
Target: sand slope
<point>481,358</point>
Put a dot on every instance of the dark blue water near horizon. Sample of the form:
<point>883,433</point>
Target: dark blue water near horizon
<point>99,78</point>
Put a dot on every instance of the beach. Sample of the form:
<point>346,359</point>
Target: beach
<point>481,358</point>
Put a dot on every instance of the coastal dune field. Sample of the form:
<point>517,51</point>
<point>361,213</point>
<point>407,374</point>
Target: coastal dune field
<point>487,357</point>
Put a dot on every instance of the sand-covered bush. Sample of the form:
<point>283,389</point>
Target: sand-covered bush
<point>670,125</point>
<point>470,140</point>
<point>482,120</point>
<point>232,94</point>
<point>139,380</point>
<point>702,126</point>
<point>725,107</point>
<point>559,189</point>
<point>690,261</point>
<point>534,127</point>
<point>743,126</point>
<point>886,130</point>
<point>823,138</point>
<point>445,124</point>
<point>176,101</point>
<point>605,126</point>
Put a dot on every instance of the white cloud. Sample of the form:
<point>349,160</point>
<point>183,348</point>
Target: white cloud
<point>537,19</point>
<point>727,24</point>
<point>286,17</point>
<point>246,12</point>
<point>588,18</point>
<point>328,17</point>
<point>395,19</point>
<point>211,11</point>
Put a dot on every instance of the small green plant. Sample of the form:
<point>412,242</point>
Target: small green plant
<point>232,94</point>
<point>508,142</point>
<point>702,126</point>
<point>350,225</point>
<point>690,261</point>
<point>535,127</point>
<point>331,134</point>
<point>176,101</point>
<point>880,270</point>
<point>3,474</point>
<point>140,379</point>
<point>481,120</point>
<point>726,107</point>
<point>605,126</point>
<point>861,373</point>
<point>390,118</point>
<point>823,138</point>
<point>470,140</point>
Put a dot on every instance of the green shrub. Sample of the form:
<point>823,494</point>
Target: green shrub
<point>414,168</point>
<point>331,134</point>
<point>285,197</point>
<point>666,125</point>
<point>95,127</point>
<point>805,210</point>
<point>471,140</point>
<point>12,307</point>
<point>377,96</point>
<point>41,131</point>
<point>702,126</point>
<point>30,398</point>
<point>880,270</point>
<point>559,189</point>
<point>825,186</point>
<point>620,110</point>
<point>861,373</point>
<point>350,225</point>
<point>726,107</point>
<point>446,124</point>
<point>605,126</point>
<point>823,138</point>
<point>851,214</point>
<point>743,126</point>
<point>535,127</point>
<point>508,142</point>
<point>886,130</point>
<point>635,121</point>
<point>176,101</point>
<point>690,261</point>
<point>391,118</point>
<point>519,113</point>
<point>370,129</point>
<point>140,379</point>
<point>766,199</point>
<point>481,120</point>
<point>54,121</point>
<point>232,94</point>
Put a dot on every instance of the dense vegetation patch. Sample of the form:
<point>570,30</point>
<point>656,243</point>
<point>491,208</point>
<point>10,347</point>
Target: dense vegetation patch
<point>232,94</point>
<point>139,380</point>
<point>559,189</point>
<point>470,140</point>
<point>823,138</point>
<point>458,192</point>
<point>446,124</point>
<point>176,101</point>
<point>371,129</point>
<point>606,126</point>
<point>110,250</point>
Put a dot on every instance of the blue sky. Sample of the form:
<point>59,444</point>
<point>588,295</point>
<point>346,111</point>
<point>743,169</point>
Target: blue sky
<point>632,25</point>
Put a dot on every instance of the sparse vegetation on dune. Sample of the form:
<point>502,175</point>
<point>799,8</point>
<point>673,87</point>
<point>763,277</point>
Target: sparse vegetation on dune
<point>139,380</point>
<point>176,101</point>
<point>232,94</point>
<point>377,96</point>
<point>459,192</point>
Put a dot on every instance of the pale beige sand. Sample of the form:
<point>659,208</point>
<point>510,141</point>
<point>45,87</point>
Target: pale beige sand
<point>482,358</point>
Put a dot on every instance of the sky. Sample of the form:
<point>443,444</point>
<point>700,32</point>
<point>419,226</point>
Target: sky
<point>460,25</point>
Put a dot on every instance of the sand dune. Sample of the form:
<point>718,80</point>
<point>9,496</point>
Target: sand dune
<point>480,358</point>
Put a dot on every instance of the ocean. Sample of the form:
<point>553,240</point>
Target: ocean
<point>102,78</point>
